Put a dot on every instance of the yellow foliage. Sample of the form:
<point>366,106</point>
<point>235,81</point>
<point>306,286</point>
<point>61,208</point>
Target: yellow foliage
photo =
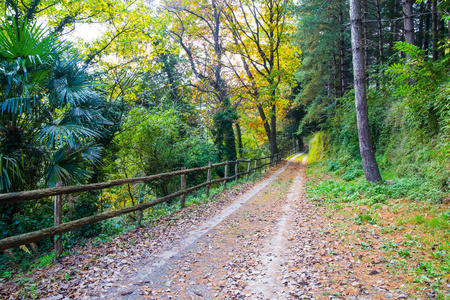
<point>316,147</point>
<point>24,248</point>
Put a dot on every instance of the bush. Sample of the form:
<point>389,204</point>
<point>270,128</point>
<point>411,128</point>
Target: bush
<point>85,205</point>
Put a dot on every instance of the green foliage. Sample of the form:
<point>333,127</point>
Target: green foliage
<point>50,109</point>
<point>409,117</point>
<point>404,253</point>
<point>85,205</point>
<point>421,83</point>
<point>155,142</point>
<point>27,43</point>
<point>359,191</point>
<point>363,218</point>
<point>316,147</point>
<point>50,120</point>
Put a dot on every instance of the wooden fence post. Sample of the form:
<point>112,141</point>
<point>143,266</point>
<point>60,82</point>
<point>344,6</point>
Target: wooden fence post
<point>183,187</point>
<point>236,170</point>
<point>208,178</point>
<point>57,216</point>
<point>248,168</point>
<point>225,176</point>
<point>254,167</point>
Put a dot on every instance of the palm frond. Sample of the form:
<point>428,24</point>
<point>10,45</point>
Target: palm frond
<point>92,154</point>
<point>57,173</point>
<point>9,171</point>
<point>69,164</point>
<point>71,84</point>
<point>29,41</point>
<point>85,116</point>
<point>70,134</point>
<point>18,105</point>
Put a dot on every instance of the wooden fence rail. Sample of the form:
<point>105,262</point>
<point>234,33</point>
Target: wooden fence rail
<point>59,228</point>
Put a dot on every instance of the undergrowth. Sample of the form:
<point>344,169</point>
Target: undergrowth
<point>417,240</point>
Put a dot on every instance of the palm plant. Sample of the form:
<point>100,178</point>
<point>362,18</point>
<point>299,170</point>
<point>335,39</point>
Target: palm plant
<point>50,110</point>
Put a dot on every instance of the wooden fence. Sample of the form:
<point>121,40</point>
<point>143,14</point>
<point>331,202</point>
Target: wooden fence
<point>259,164</point>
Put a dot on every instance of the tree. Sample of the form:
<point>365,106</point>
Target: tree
<point>365,144</point>
<point>324,75</point>
<point>154,141</point>
<point>51,119</point>
<point>408,21</point>
<point>51,109</point>
<point>198,30</point>
<point>261,37</point>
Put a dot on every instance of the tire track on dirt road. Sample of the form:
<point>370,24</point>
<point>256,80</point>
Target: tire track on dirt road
<point>274,255</point>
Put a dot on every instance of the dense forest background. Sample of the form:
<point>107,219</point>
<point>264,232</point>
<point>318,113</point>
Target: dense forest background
<point>175,84</point>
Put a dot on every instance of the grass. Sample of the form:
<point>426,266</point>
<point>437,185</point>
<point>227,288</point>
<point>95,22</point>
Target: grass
<point>412,225</point>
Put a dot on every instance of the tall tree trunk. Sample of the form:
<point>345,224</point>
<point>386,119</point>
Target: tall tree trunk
<point>273,131</point>
<point>408,21</point>
<point>342,73</point>
<point>230,142</point>
<point>434,21</point>
<point>262,114</point>
<point>366,39</point>
<point>380,34</point>
<point>239,138</point>
<point>441,35</point>
<point>220,86</point>
<point>426,39</point>
<point>421,22</point>
<point>362,117</point>
<point>336,78</point>
<point>380,41</point>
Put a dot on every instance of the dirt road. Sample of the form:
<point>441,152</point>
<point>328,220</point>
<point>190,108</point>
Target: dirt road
<point>260,241</point>
<point>241,251</point>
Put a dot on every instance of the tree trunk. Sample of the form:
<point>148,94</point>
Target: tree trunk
<point>408,21</point>
<point>262,114</point>
<point>441,35</point>
<point>434,22</point>
<point>421,21</point>
<point>426,40</point>
<point>365,144</point>
<point>273,131</point>
<point>342,73</point>
<point>230,142</point>
<point>380,41</point>
<point>366,40</point>
<point>239,138</point>
<point>336,78</point>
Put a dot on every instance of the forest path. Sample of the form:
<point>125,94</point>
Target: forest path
<point>269,243</point>
<point>238,252</point>
<point>260,240</point>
